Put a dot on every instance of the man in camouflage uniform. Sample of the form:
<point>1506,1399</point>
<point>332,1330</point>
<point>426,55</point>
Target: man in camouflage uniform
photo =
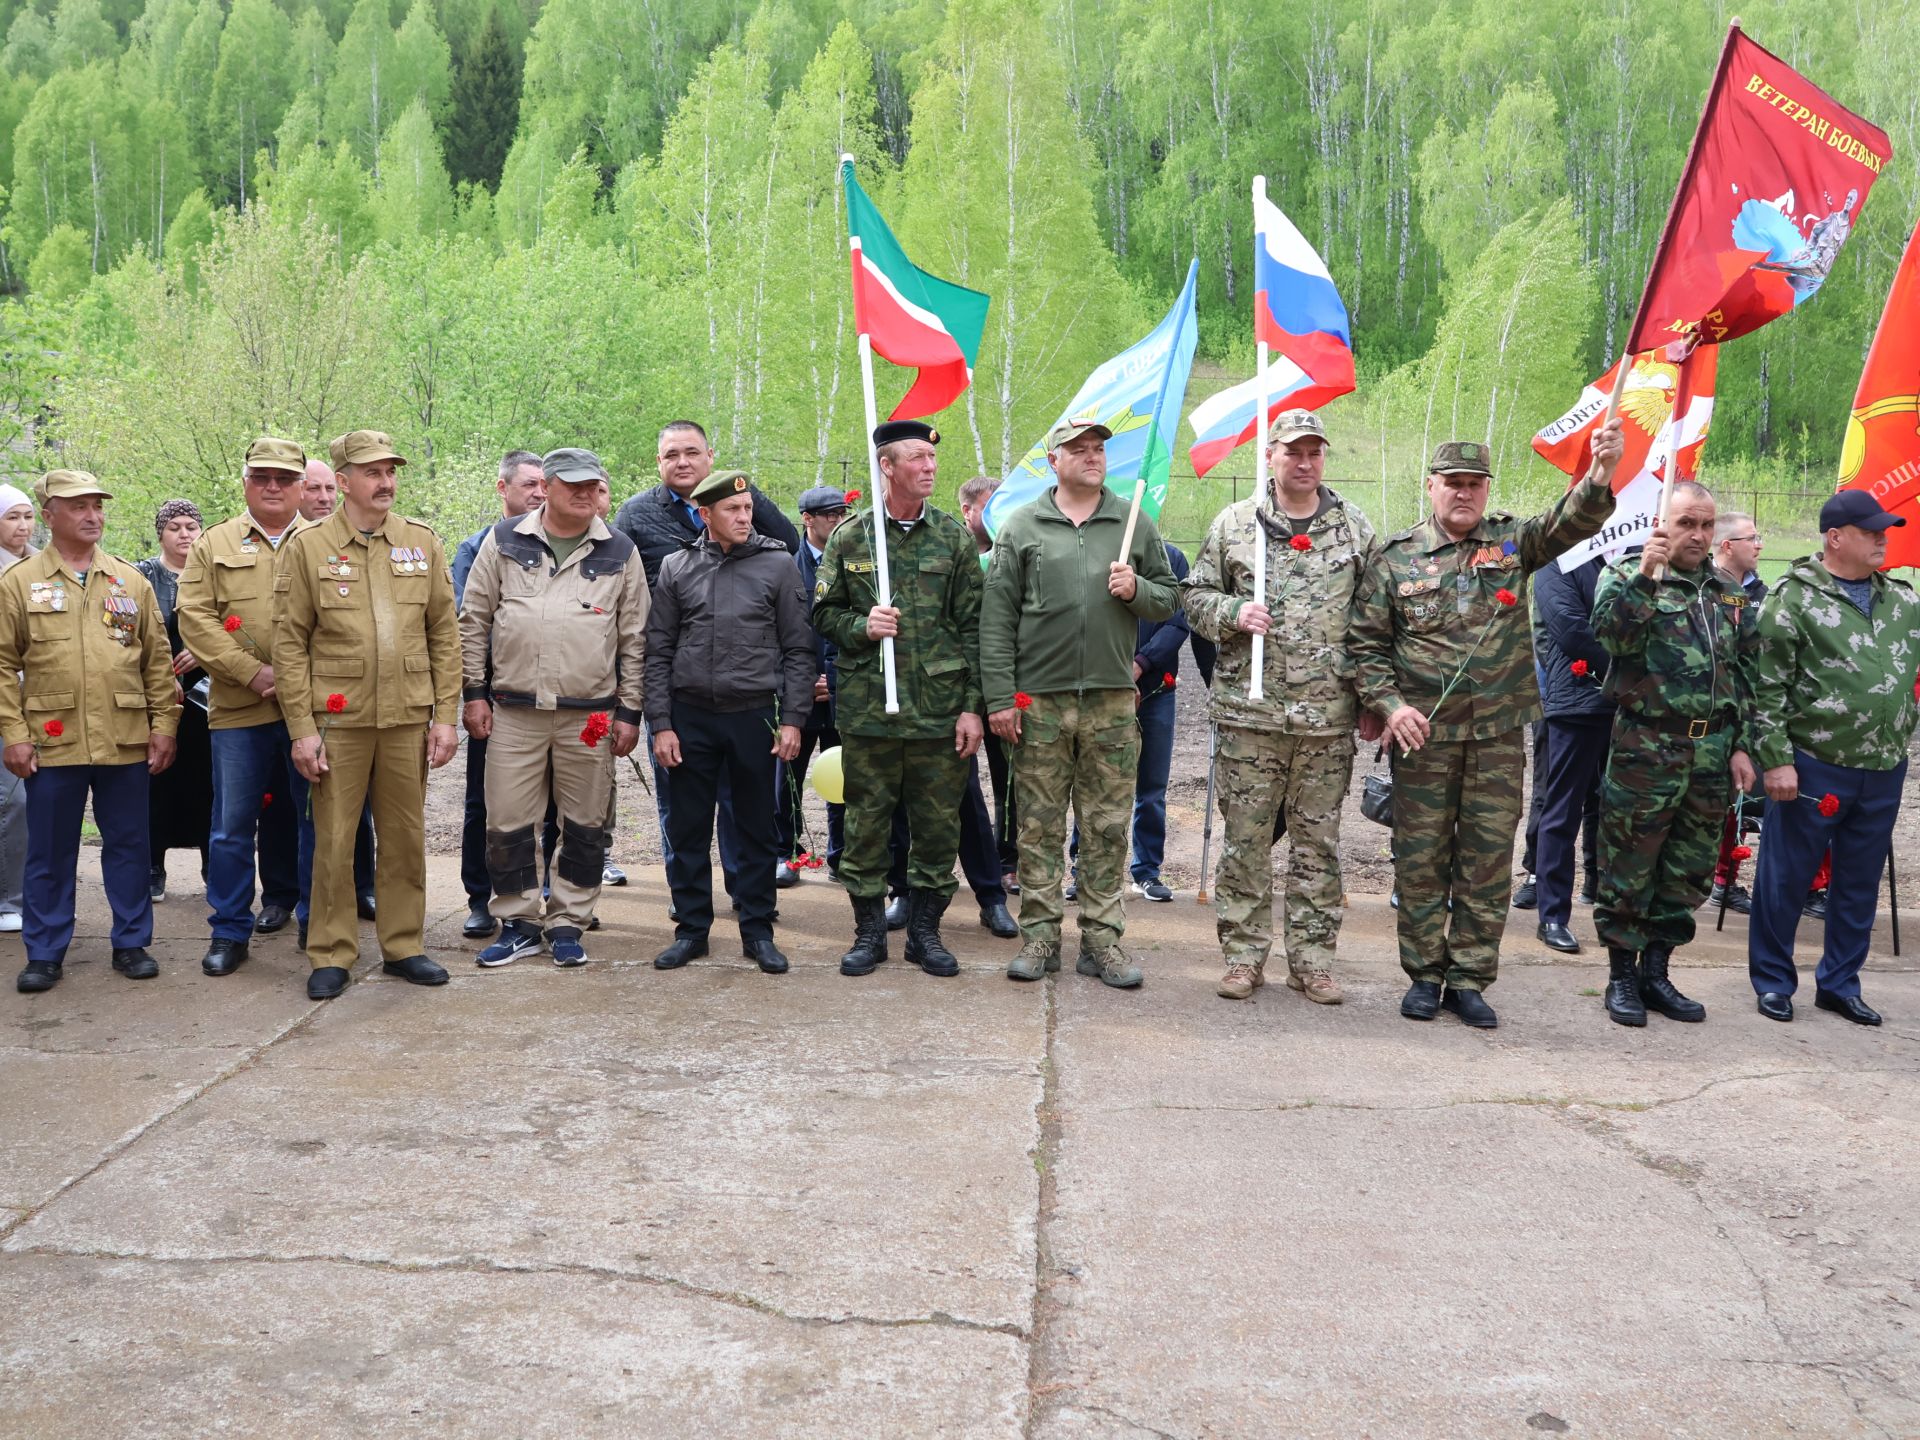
<point>1442,649</point>
<point>1833,713</point>
<point>1057,632</point>
<point>920,756</point>
<point>1294,747</point>
<point>1680,635</point>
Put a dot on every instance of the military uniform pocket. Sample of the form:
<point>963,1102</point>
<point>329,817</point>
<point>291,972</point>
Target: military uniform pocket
<point>343,675</point>
<point>419,679</point>
<point>46,627</point>
<point>55,708</point>
<point>946,683</point>
<point>129,718</point>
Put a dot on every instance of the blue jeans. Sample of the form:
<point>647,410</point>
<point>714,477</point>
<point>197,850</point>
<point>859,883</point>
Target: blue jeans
<point>56,802</point>
<point>248,762</point>
<point>1792,841</point>
<point>1150,789</point>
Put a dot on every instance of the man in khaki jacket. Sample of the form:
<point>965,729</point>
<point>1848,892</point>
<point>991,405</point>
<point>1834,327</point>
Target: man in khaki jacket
<point>558,601</point>
<point>226,620</point>
<point>366,666</point>
<point>93,710</point>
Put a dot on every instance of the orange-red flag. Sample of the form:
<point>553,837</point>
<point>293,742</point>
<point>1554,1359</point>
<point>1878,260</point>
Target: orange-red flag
<point>1881,454</point>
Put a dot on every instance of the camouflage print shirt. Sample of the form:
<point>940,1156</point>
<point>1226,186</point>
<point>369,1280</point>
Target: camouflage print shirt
<point>936,588</point>
<point>1830,681</point>
<point>1682,645</point>
<point>1307,673</point>
<point>1428,610</point>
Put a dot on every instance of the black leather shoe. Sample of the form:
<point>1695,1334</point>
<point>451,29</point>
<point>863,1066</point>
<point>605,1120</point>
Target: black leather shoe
<point>785,877</point>
<point>363,905</point>
<point>224,957</point>
<point>326,982</point>
<point>272,918</point>
<point>683,949</point>
<point>997,919</point>
<point>37,976</point>
<point>1558,937</point>
<point>1816,905</point>
<point>1471,1007</point>
<point>1776,1006</point>
<point>480,922</point>
<point>1422,1000</point>
<point>1736,897</point>
<point>1526,895</point>
<point>416,970</point>
<point>1851,1006</point>
<point>1658,992</point>
<point>1071,890</point>
<point>136,963</point>
<point>766,955</point>
<point>1590,891</point>
<point>897,913</point>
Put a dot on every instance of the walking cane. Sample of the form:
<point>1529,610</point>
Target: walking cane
<point>1206,829</point>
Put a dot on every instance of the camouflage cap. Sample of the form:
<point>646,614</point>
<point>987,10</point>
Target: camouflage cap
<point>364,447</point>
<point>719,485</point>
<point>576,467</point>
<point>68,485</point>
<point>1460,457</point>
<point>267,453</point>
<point>1073,427</point>
<point>1291,425</point>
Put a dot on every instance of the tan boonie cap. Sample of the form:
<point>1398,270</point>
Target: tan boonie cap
<point>267,453</point>
<point>68,485</point>
<point>576,467</point>
<point>1460,457</point>
<point>719,485</point>
<point>1073,427</point>
<point>363,447</point>
<point>1291,425</point>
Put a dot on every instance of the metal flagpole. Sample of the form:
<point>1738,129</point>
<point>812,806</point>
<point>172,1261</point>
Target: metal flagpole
<point>1256,686</point>
<point>878,486</point>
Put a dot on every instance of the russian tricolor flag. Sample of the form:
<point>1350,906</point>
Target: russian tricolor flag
<point>1299,316</point>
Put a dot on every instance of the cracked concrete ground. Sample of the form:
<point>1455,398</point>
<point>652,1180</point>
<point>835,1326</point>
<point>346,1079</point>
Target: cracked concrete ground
<point>618,1202</point>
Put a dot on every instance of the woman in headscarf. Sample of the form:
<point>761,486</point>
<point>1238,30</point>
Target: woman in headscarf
<point>180,810</point>
<point>16,530</point>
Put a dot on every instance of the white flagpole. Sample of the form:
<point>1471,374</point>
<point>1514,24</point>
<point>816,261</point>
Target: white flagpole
<point>877,487</point>
<point>1256,687</point>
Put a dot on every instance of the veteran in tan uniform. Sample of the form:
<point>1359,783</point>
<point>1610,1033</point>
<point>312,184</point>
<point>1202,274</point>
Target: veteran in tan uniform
<point>226,621</point>
<point>557,603</point>
<point>366,661</point>
<point>94,709</point>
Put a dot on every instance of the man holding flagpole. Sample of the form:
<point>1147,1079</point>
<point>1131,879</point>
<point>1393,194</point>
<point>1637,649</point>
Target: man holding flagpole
<point>1057,634</point>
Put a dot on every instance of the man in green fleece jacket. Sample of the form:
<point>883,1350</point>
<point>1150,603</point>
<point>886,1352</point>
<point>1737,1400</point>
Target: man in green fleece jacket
<point>1057,631</point>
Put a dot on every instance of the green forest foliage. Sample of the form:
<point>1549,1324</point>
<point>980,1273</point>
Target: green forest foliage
<point>491,224</point>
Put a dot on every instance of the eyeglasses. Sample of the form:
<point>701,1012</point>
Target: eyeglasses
<point>1742,539</point>
<point>275,477</point>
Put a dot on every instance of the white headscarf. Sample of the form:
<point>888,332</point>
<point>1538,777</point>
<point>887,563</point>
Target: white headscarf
<point>12,495</point>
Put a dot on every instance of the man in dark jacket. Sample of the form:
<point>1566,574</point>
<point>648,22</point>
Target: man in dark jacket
<point>663,521</point>
<point>821,510</point>
<point>1579,718</point>
<point>729,685</point>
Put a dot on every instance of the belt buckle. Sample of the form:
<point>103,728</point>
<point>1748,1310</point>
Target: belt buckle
<point>1697,729</point>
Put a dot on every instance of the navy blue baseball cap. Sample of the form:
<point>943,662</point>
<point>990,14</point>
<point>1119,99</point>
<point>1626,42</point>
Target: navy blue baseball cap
<point>822,500</point>
<point>1856,507</point>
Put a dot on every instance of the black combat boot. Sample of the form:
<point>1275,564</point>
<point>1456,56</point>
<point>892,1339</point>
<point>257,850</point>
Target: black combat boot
<point>1623,988</point>
<point>924,909</point>
<point>869,950</point>
<point>1657,992</point>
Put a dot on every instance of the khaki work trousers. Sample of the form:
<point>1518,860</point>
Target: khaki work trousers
<point>387,765</point>
<point>528,751</point>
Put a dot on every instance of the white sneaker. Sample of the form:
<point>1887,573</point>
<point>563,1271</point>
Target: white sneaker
<point>10,923</point>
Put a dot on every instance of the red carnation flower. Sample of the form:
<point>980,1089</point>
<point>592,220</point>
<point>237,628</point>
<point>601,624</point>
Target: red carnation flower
<point>266,800</point>
<point>1743,852</point>
<point>1167,680</point>
<point>1301,543</point>
<point>1829,805</point>
<point>852,495</point>
<point>1506,596</point>
<point>1579,668</point>
<point>336,704</point>
<point>231,624</point>
<point>595,730</point>
<point>55,729</point>
<point>1022,700</point>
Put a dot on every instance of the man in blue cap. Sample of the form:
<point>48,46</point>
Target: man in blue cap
<point>1834,709</point>
<point>822,508</point>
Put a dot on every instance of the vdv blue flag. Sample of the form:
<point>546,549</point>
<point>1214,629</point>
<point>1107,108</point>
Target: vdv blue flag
<point>1139,395</point>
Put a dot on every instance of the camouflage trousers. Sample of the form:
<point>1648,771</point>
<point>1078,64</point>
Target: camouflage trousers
<point>1662,806</point>
<point>1456,808</point>
<point>1259,772</point>
<point>1083,751</point>
<point>928,777</point>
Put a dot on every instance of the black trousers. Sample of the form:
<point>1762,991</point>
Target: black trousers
<point>1529,859</point>
<point>473,829</point>
<point>1006,830</point>
<point>980,851</point>
<point>279,854</point>
<point>1576,755</point>
<point>790,824</point>
<point>738,745</point>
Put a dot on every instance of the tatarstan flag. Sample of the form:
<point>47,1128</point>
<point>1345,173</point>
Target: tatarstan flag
<point>908,316</point>
<point>1881,454</point>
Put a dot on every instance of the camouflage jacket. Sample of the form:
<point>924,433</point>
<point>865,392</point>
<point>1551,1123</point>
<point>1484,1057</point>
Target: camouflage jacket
<point>1428,610</point>
<point>936,588</point>
<point>1682,646</point>
<point>1830,681</point>
<point>1307,673</point>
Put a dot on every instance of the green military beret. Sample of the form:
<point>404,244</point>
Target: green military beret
<point>719,485</point>
<point>1460,457</point>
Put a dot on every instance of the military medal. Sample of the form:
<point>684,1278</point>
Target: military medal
<point>345,571</point>
<point>346,589</point>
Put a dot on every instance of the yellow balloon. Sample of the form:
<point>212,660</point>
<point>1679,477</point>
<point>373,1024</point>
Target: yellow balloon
<point>826,777</point>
